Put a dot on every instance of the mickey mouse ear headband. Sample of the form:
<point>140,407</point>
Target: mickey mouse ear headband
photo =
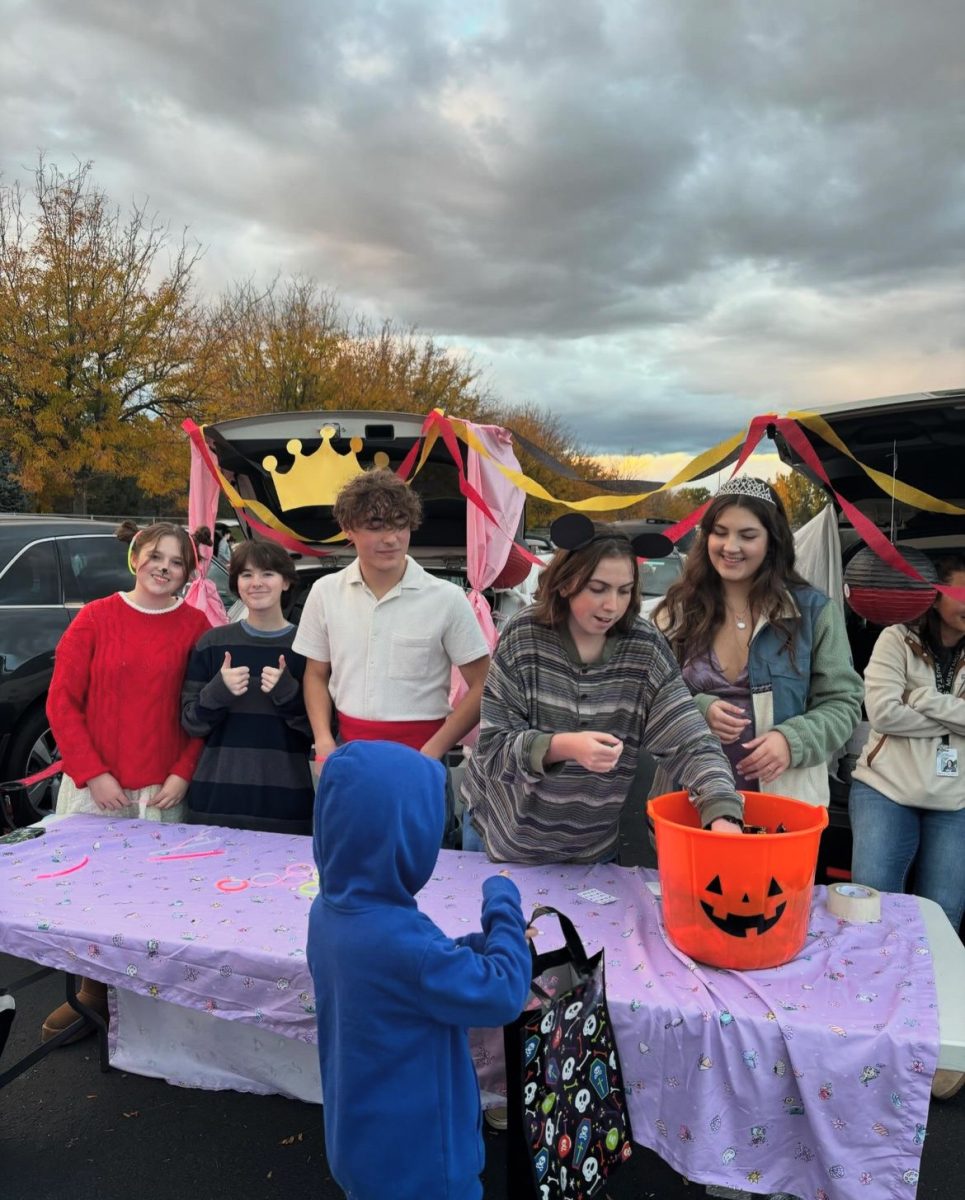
<point>573,531</point>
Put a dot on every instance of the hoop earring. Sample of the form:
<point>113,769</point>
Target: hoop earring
<point>130,558</point>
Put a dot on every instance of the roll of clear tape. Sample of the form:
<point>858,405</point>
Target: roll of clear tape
<point>854,902</point>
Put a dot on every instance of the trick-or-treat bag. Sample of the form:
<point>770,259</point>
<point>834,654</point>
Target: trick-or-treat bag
<point>568,1126</point>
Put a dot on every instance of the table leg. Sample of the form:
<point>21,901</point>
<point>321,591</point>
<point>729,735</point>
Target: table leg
<point>88,1015</point>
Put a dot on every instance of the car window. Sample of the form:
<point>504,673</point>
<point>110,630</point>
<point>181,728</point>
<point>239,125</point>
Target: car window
<point>218,574</point>
<point>657,574</point>
<point>32,577</point>
<point>93,566</point>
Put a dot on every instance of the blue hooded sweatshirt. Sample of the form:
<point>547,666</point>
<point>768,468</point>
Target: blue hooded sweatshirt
<point>394,995</point>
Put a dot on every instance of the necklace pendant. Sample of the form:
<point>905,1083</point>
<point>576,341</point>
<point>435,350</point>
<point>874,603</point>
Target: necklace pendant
<point>741,624</point>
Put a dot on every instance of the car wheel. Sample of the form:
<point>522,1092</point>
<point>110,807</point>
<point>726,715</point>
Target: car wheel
<point>31,749</point>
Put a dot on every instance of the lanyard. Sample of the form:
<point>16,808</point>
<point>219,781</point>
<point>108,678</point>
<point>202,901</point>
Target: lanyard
<point>945,679</point>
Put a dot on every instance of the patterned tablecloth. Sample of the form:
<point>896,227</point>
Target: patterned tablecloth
<point>812,1078</point>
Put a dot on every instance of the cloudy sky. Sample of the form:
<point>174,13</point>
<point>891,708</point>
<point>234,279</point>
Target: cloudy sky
<point>655,219</point>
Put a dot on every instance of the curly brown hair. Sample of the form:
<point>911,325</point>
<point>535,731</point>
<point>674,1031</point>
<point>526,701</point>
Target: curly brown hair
<point>377,493</point>
<point>569,571</point>
<point>693,608</point>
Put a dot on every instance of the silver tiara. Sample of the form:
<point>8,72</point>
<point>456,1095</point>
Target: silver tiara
<point>747,485</point>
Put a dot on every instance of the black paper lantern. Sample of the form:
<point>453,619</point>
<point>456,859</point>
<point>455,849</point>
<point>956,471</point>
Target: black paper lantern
<point>885,596</point>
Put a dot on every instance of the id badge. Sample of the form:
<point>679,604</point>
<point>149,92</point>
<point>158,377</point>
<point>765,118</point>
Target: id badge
<point>946,762</point>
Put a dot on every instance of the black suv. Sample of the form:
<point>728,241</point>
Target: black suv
<point>49,567</point>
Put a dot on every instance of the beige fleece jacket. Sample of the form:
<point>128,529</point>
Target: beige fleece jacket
<point>908,717</point>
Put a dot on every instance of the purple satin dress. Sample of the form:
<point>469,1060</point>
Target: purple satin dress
<point>705,674</point>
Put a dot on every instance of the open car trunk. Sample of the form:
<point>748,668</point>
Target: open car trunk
<point>920,439</point>
<point>298,483</point>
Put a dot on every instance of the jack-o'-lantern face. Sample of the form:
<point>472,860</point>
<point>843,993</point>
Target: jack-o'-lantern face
<point>737,914</point>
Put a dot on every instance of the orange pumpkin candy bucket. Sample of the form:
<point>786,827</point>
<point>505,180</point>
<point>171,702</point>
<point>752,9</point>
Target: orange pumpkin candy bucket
<point>737,902</point>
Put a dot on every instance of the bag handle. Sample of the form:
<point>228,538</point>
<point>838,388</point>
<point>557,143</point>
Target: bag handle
<point>574,944</point>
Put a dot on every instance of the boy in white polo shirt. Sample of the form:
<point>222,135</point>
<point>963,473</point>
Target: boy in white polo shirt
<point>381,636</point>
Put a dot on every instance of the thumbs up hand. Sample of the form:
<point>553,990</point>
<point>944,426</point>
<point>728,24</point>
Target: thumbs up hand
<point>235,678</point>
<point>271,675</point>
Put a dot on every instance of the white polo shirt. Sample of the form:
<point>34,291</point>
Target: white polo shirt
<point>391,658</point>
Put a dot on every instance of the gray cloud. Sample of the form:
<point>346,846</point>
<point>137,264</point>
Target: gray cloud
<point>655,219</point>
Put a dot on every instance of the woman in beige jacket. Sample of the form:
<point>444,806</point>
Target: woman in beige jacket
<point>908,792</point>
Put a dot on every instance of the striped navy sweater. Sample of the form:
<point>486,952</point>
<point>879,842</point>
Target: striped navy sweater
<point>537,686</point>
<point>254,770</point>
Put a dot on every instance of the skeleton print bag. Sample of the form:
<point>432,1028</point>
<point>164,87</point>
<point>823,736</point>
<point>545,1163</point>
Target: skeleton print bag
<point>568,1124</point>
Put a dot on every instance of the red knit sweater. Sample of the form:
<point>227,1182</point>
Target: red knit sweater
<point>115,698</point>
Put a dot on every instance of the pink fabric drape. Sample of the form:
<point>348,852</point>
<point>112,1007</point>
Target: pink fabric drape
<point>203,492</point>
<point>488,544</point>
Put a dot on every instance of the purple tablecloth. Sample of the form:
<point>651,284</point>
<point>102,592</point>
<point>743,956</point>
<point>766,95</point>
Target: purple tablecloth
<point>811,1078</point>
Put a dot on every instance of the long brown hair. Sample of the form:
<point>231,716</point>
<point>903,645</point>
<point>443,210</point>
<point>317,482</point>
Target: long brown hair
<point>928,625</point>
<point>569,571</point>
<point>693,608</point>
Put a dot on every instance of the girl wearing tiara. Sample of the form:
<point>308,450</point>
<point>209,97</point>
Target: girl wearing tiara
<point>115,699</point>
<point>765,654</point>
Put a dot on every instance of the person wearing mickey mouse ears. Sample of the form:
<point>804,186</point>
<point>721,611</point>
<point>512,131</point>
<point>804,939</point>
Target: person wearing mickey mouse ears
<point>579,685</point>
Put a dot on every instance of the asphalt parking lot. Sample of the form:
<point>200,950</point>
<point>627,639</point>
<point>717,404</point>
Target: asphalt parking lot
<point>68,1131</point>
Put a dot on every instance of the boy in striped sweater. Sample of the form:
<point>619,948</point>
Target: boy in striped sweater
<point>243,694</point>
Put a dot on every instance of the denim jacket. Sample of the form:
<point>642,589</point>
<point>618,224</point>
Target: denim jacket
<point>813,697</point>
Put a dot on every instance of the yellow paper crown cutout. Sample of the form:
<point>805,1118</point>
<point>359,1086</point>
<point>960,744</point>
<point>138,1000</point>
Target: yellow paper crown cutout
<point>316,478</point>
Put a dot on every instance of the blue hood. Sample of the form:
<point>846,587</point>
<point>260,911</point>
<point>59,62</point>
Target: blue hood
<point>379,818</point>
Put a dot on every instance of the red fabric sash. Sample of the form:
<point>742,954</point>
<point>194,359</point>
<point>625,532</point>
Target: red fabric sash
<point>409,733</point>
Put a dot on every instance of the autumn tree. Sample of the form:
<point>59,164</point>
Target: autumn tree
<point>672,505</point>
<point>290,348</point>
<point>548,451</point>
<point>802,498</point>
<point>12,496</point>
<point>102,343</point>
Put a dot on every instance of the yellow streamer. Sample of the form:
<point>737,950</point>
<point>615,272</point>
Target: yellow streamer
<point>603,503</point>
<point>890,486</point>
<point>258,509</point>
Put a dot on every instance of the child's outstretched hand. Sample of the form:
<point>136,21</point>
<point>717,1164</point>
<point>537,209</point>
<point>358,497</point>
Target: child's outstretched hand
<point>235,678</point>
<point>271,675</point>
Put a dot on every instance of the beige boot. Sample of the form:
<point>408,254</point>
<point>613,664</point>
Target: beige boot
<point>94,995</point>
<point>947,1084</point>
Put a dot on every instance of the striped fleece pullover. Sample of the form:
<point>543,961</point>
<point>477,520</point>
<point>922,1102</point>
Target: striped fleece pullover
<point>537,686</point>
<point>254,771</point>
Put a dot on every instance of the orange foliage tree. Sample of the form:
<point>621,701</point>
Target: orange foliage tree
<point>290,348</point>
<point>802,498</point>
<point>100,349</point>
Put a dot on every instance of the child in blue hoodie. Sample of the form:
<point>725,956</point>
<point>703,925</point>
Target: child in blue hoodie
<point>394,995</point>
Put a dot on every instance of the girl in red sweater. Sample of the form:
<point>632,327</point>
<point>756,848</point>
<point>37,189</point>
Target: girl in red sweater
<point>114,700</point>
